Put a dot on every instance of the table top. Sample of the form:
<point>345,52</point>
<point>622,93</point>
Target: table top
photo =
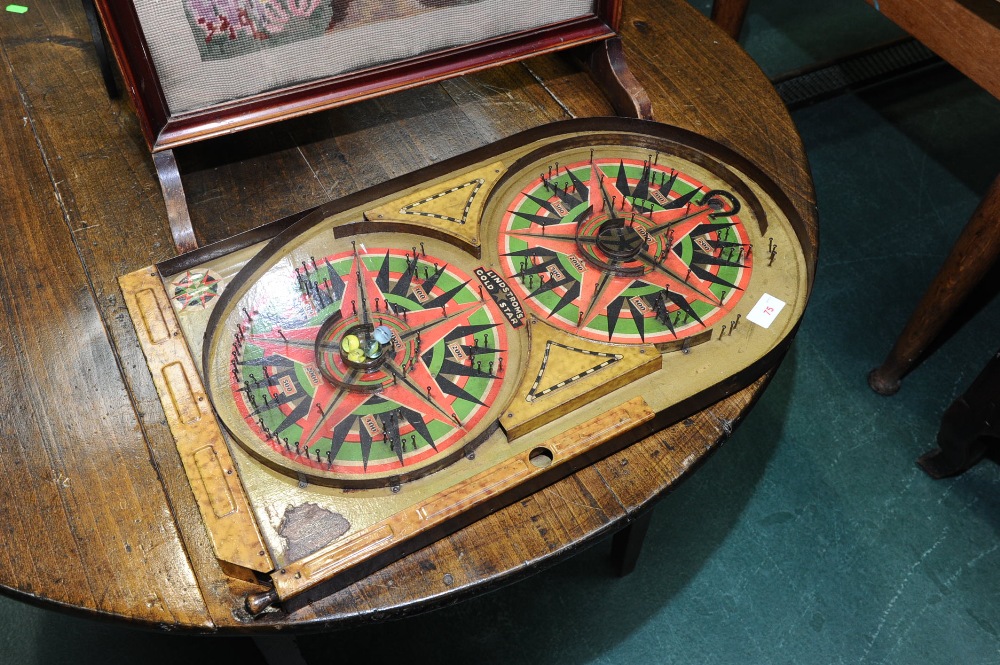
<point>99,516</point>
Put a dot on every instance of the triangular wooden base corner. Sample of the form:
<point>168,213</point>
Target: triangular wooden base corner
<point>453,206</point>
<point>564,372</point>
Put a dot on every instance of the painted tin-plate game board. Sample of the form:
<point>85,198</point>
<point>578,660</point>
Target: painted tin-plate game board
<point>405,360</point>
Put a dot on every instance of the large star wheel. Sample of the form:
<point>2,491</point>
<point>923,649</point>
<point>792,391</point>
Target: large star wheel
<point>426,389</point>
<point>625,250</point>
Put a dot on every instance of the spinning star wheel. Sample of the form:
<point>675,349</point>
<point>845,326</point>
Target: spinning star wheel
<point>406,359</point>
<point>369,366</point>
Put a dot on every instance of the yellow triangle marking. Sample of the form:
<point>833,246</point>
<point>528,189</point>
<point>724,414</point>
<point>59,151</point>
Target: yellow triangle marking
<point>562,365</point>
<point>451,205</point>
<point>564,372</point>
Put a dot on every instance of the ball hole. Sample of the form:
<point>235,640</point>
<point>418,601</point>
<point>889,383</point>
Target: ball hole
<point>541,457</point>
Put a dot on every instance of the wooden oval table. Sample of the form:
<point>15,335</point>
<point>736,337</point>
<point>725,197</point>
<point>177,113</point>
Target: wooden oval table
<point>99,518</point>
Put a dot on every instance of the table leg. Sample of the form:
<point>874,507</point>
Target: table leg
<point>974,253</point>
<point>279,649</point>
<point>627,543</point>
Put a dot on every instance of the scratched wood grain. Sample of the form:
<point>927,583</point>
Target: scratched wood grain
<point>86,522</point>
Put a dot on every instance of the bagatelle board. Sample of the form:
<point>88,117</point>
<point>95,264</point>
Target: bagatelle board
<point>402,361</point>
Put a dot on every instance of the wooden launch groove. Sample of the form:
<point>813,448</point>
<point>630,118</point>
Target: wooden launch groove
<point>435,517</point>
<point>207,462</point>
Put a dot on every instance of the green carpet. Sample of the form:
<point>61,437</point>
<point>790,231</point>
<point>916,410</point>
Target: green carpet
<point>811,537</point>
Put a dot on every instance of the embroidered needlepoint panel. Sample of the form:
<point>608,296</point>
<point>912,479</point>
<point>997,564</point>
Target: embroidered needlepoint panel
<point>209,52</point>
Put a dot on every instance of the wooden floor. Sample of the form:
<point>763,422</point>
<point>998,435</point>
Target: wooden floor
<point>98,516</point>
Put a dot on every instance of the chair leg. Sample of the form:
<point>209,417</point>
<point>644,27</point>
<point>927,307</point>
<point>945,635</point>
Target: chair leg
<point>974,253</point>
<point>969,428</point>
<point>729,15</point>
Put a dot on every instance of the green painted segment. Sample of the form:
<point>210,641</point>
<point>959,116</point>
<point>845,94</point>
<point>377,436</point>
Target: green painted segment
<point>16,9</point>
<point>302,377</point>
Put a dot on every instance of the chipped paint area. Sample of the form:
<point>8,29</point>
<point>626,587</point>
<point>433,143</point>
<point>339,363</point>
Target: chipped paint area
<point>308,528</point>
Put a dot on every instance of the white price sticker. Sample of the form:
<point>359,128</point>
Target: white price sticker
<point>765,311</point>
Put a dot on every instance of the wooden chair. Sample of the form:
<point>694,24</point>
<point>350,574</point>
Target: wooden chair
<point>966,33</point>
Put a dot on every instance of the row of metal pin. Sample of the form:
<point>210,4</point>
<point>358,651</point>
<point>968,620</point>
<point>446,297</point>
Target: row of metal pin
<point>727,331</point>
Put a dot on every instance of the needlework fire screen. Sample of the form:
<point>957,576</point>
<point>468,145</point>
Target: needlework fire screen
<point>210,52</point>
